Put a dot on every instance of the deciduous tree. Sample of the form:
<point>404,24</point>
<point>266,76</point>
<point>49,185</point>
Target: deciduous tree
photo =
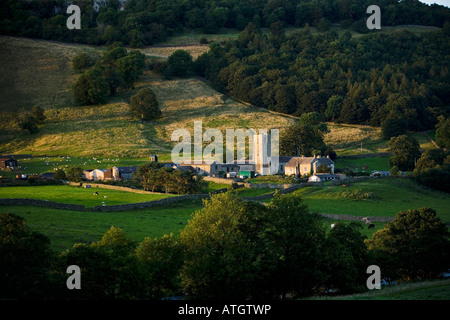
<point>144,105</point>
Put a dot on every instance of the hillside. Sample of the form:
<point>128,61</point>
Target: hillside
<point>34,72</point>
<point>39,73</point>
<point>108,130</point>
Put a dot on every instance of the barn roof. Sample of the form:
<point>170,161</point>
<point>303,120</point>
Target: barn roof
<point>127,169</point>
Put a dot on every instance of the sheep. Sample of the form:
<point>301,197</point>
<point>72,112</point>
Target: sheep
<point>332,226</point>
<point>371,226</point>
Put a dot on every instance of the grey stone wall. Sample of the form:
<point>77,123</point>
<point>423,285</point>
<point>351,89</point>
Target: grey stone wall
<point>42,203</point>
<point>149,204</point>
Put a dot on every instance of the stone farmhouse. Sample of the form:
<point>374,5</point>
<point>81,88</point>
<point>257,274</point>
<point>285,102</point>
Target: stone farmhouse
<point>300,166</point>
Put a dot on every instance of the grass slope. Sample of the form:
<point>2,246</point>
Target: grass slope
<point>391,196</point>
<point>35,72</point>
<point>108,130</point>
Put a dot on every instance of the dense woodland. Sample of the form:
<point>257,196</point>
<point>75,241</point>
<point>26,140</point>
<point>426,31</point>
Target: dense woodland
<point>400,78</point>
<point>144,22</point>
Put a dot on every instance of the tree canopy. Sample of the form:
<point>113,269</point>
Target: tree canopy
<point>144,106</point>
<point>405,152</point>
<point>415,245</point>
<point>142,22</point>
<point>373,79</point>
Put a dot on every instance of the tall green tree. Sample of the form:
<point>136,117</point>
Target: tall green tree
<point>110,268</point>
<point>393,126</point>
<point>131,67</point>
<point>26,260</point>
<point>296,239</point>
<point>180,64</point>
<point>162,259</point>
<point>347,252</point>
<point>144,105</point>
<point>443,132</point>
<point>217,258</point>
<point>147,174</point>
<point>415,245</point>
<point>298,140</point>
<point>84,61</point>
<point>74,174</point>
<point>90,88</point>
<point>405,152</point>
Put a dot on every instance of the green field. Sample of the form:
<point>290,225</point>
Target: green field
<point>357,164</point>
<point>390,197</point>
<point>78,195</point>
<point>66,227</point>
<point>247,193</point>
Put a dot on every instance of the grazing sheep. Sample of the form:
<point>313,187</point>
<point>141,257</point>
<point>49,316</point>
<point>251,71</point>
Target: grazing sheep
<point>332,226</point>
<point>371,226</point>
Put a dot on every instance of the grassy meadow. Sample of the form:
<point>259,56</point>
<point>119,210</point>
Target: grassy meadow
<point>389,197</point>
<point>65,227</point>
<point>358,164</point>
<point>78,195</point>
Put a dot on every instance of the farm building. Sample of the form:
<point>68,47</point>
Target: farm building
<point>94,175</point>
<point>8,163</point>
<point>300,166</point>
<point>123,173</point>
<point>322,177</point>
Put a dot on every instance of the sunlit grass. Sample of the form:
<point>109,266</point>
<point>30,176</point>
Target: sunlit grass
<point>78,195</point>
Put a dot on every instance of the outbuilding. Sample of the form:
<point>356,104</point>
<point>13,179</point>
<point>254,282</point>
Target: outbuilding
<point>8,163</point>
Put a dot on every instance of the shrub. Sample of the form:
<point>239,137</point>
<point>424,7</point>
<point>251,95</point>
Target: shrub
<point>357,194</point>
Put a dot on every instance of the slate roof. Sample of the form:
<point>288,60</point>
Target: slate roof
<point>127,169</point>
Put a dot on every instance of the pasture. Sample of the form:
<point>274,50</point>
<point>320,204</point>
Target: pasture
<point>65,227</point>
<point>358,164</point>
<point>389,197</point>
<point>78,195</point>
